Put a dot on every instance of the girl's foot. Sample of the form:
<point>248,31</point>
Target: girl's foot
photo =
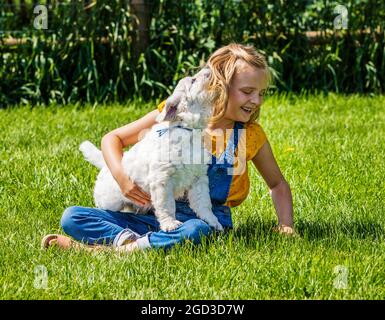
<point>64,242</point>
<point>129,247</point>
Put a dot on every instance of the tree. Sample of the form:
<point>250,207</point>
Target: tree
<point>140,9</point>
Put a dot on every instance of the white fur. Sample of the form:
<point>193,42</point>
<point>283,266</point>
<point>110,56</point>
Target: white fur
<point>156,163</point>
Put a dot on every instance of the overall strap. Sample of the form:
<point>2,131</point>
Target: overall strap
<point>227,157</point>
<point>220,171</point>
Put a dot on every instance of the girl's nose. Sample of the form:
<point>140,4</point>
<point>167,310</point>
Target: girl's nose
<point>256,99</point>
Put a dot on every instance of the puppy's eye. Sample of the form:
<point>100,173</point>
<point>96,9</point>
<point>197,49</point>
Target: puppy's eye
<point>193,80</point>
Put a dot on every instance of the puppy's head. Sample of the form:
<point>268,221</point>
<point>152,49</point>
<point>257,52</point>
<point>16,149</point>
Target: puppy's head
<point>190,102</point>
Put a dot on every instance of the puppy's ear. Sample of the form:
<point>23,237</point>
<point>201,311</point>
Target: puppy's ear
<point>204,72</point>
<point>169,111</point>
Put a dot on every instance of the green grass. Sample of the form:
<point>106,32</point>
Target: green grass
<point>330,149</point>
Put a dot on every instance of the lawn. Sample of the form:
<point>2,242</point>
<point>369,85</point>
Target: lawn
<point>330,149</point>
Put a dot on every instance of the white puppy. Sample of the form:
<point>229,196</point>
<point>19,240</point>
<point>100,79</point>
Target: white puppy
<point>161,163</point>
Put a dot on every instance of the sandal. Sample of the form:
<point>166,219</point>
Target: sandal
<point>64,242</point>
<point>60,241</point>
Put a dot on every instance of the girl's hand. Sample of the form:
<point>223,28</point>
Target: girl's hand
<point>285,230</point>
<point>133,192</point>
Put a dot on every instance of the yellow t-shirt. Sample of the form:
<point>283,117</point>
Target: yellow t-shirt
<point>253,140</point>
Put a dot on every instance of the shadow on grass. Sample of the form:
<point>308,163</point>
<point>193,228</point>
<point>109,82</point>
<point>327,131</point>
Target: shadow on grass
<point>250,231</point>
<point>311,230</point>
<point>314,230</point>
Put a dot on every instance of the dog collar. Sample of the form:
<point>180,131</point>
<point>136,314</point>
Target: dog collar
<point>164,130</point>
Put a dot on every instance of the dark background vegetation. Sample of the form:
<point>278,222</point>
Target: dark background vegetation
<point>102,51</point>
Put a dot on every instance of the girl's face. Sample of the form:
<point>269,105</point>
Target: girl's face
<point>246,91</point>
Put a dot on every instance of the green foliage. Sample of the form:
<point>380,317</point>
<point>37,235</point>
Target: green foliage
<point>71,62</point>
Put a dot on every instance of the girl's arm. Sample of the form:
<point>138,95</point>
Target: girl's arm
<point>112,148</point>
<point>280,192</point>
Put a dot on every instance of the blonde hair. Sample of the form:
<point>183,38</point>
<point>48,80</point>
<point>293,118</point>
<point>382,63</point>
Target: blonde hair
<point>223,63</point>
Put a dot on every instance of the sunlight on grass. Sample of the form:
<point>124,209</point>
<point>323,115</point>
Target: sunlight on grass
<point>330,150</point>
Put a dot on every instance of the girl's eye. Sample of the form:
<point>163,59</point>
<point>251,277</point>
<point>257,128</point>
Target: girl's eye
<point>262,93</point>
<point>247,92</point>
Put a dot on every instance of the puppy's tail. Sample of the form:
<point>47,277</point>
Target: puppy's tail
<point>92,154</point>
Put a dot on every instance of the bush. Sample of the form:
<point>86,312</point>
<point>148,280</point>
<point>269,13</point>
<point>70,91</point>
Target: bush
<point>86,55</point>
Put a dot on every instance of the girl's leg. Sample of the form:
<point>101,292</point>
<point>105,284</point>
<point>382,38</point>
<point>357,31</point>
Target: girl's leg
<point>98,226</point>
<point>192,229</point>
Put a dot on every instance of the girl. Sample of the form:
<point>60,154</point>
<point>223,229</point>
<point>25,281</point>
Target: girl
<point>239,80</point>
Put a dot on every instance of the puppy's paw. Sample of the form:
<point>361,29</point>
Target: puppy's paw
<point>213,222</point>
<point>218,227</point>
<point>170,225</point>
